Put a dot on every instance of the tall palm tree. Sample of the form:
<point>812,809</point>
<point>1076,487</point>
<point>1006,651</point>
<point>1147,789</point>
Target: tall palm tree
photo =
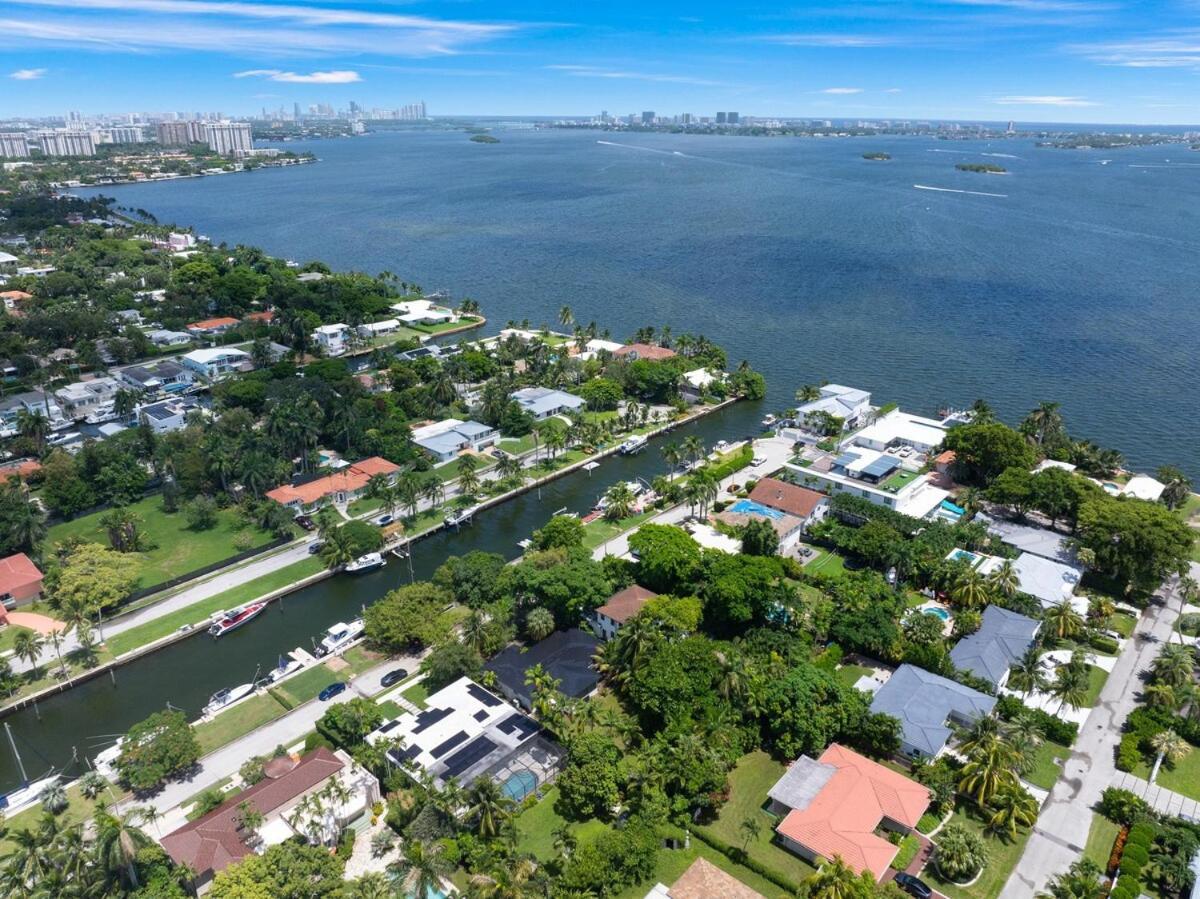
<point>970,590</point>
<point>26,525</point>
<point>490,808</point>
<point>988,771</point>
<point>1005,580</point>
<point>672,455</point>
<point>1012,808</point>
<point>618,501</point>
<point>508,880</point>
<point>1083,880</point>
<point>419,871</point>
<point>807,393</point>
<point>1045,423</point>
<point>433,490</point>
<point>566,317</point>
<point>693,448</point>
<point>1062,620</point>
<point>118,841</point>
<point>1070,685</point>
<point>539,623</point>
<point>34,425</point>
<point>28,646</point>
<point>836,881</point>
<point>1175,665</point>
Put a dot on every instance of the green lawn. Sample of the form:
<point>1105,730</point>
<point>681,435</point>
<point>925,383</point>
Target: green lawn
<point>1096,678</point>
<point>364,506</point>
<point>536,825</point>
<point>849,674</point>
<point>360,659</point>
<point>307,684</point>
<point>177,550</point>
<point>909,847</point>
<point>1002,859</point>
<point>201,611</point>
<point>516,446</point>
<point>598,531</point>
<point>78,811</point>
<point>1122,623</point>
<point>749,782</point>
<point>899,480</point>
<point>238,721</point>
<point>1100,840</point>
<point>8,636</point>
<point>1046,769</point>
<point>827,563</point>
<point>417,694</point>
<point>1183,777</point>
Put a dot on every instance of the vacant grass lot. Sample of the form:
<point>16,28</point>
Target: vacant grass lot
<point>307,684</point>
<point>597,532</point>
<point>177,550</point>
<point>1002,858</point>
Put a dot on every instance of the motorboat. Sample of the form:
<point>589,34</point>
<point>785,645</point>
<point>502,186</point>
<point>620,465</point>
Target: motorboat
<point>226,697</point>
<point>340,635</point>
<point>366,563</point>
<point>769,421</point>
<point>105,761</point>
<point>224,622</point>
<point>285,668</point>
<point>23,797</point>
<point>634,444</point>
<point>455,519</point>
<point>101,415</point>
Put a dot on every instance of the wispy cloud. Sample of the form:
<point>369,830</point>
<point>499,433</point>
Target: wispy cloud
<point>598,72</point>
<point>27,74</point>
<point>831,40</point>
<point>893,90</point>
<point>842,90</point>
<point>1170,50</point>
<point>1044,100</point>
<point>335,77</point>
<point>1055,6</point>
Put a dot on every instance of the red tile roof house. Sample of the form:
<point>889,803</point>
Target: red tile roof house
<point>20,581</point>
<point>340,488</point>
<point>634,351</point>
<point>835,805</point>
<point>217,840</point>
<point>212,326</point>
<point>807,505</point>
<point>619,608</point>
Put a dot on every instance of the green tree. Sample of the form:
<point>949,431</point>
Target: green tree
<point>982,450</point>
<point>201,513</point>
<point>759,538</point>
<point>489,808</point>
<point>119,838</point>
<point>1176,486</point>
<point>1083,880</point>
<point>589,782</point>
<point>1011,809</point>
<point>290,870</point>
<point>407,618</point>
<point>667,557</point>
<point>1134,542</point>
<point>539,623</point>
<point>157,748</point>
<point>419,871</point>
<point>565,531</point>
<point>94,578</point>
<point>959,853</point>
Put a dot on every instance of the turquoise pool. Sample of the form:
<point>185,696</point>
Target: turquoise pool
<point>937,612</point>
<point>519,785</point>
<point>750,507</point>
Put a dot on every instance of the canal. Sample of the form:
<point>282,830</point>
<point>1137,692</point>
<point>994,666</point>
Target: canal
<point>66,728</point>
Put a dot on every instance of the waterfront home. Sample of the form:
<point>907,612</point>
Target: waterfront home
<point>152,377</point>
<point>167,415</point>
<point>593,348</point>
<point>1142,486</point>
<point>341,487</point>
<point>334,340</point>
<point>466,732</point>
<point>926,705</point>
<point>31,401</point>
<point>216,840</point>
<point>703,880</point>
<point>849,404</point>
<point>444,440</point>
<point>378,329</point>
<point>543,402</point>
<point>81,399</point>
<point>565,655</point>
<point>695,384</point>
<point>619,608</point>
<point>883,478</point>
<point>788,528</point>
<point>843,805</point>
<point>807,505</point>
<point>161,337</point>
<point>20,581</point>
<point>218,362</point>
<point>423,312</point>
<point>212,327</point>
<point>900,430</point>
<point>1030,539</point>
<point>1001,641</point>
<point>22,469</point>
<point>634,351</point>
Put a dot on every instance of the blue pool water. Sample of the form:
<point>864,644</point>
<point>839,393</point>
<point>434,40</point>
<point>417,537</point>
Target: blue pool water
<point>937,612</point>
<point>519,785</point>
<point>964,555</point>
<point>750,507</point>
<point>957,510</point>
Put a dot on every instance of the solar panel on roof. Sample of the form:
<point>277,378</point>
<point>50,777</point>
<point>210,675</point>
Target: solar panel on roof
<point>481,715</point>
<point>390,726</point>
<point>446,745</point>
<point>482,695</point>
<point>429,717</point>
<point>846,459</point>
<point>881,466</point>
<point>467,756</point>
<point>518,724</point>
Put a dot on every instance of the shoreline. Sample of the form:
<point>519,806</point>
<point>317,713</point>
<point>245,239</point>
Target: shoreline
<point>63,185</point>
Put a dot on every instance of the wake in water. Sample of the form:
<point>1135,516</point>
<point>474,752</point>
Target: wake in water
<point>952,190</point>
<point>1001,155</point>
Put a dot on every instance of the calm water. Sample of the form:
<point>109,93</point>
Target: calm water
<point>1078,285</point>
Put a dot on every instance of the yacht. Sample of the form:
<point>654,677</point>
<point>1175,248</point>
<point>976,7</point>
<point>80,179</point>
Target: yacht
<point>285,668</point>
<point>25,796</point>
<point>366,563</point>
<point>340,635</point>
<point>224,622</point>
<point>228,696</point>
<point>101,415</point>
<point>634,444</point>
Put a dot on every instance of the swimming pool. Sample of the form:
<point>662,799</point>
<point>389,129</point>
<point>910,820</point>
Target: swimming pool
<point>750,507</point>
<point>519,785</point>
<point>937,612</point>
<point>964,555</point>
<point>950,507</point>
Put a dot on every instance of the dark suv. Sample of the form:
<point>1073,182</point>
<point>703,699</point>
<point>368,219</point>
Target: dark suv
<point>913,886</point>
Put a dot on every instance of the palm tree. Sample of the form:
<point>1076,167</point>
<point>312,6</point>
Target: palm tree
<point>489,806</point>
<point>693,448</point>
<point>970,590</point>
<point>1012,808</point>
<point>1005,580</point>
<point>1083,880</point>
<point>1062,620</point>
<point>1188,592</point>
<point>54,798</point>
<point>672,455</point>
<point>419,871</point>
<point>750,828</point>
<point>988,771</point>
<point>1044,423</point>
<point>1174,666</point>
<point>433,490</point>
<point>26,524</point>
<point>618,502</point>
<point>28,646</point>
<point>92,784</point>
<point>407,492</point>
<point>1070,685</point>
<point>959,853</point>
<point>338,550</point>
<point>807,393</point>
<point>508,880</point>
<point>566,317</point>
<point>118,841</point>
<point>509,467</point>
<point>836,881</point>
<point>34,425</point>
<point>539,623</point>
<point>1170,748</point>
<point>702,489</point>
<point>1028,675</point>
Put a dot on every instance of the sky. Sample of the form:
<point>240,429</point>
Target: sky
<point>1085,61</point>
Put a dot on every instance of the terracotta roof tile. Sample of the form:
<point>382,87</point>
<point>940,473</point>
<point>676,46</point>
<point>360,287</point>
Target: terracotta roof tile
<point>704,880</point>
<point>623,605</point>
<point>17,572</point>
<point>798,501</point>
<point>644,351</point>
<point>349,480</point>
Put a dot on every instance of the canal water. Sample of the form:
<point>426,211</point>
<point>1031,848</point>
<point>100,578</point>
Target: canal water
<point>66,728</point>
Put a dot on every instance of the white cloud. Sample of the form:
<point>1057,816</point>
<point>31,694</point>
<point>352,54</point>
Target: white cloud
<point>842,90</point>
<point>335,77</point>
<point>1040,5</point>
<point>830,40</point>
<point>1044,100</point>
<point>27,74</point>
<point>597,72</point>
<point>892,90</point>
<point>1175,50</point>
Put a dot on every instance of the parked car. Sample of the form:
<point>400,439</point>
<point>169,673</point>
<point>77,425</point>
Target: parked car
<point>331,691</point>
<point>759,460</point>
<point>384,520</point>
<point>393,677</point>
<point>498,453</point>
<point>913,886</point>
<point>315,547</point>
<point>305,522</point>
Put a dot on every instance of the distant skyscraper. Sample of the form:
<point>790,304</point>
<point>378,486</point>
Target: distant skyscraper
<point>648,117</point>
<point>1011,129</point>
<point>731,118</point>
<point>720,118</point>
<point>229,138</point>
<point>296,111</point>
<point>125,134</point>
<point>14,145</point>
<point>67,143</point>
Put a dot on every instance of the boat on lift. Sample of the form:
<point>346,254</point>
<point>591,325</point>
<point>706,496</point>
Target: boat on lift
<point>232,619</point>
<point>227,697</point>
<point>340,635</point>
<point>366,563</point>
<point>457,519</point>
<point>769,421</point>
<point>633,445</point>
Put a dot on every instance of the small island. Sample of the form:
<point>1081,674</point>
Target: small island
<point>485,139</point>
<point>877,156</point>
<point>986,167</point>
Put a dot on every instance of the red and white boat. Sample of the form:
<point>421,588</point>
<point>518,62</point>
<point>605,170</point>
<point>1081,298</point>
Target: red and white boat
<point>235,618</point>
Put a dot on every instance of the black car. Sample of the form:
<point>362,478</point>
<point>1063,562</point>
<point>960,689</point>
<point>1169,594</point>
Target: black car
<point>315,547</point>
<point>913,886</point>
<point>331,691</point>
<point>305,522</point>
<point>393,677</point>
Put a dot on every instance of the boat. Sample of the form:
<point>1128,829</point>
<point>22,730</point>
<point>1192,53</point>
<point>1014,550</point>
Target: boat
<point>340,635</point>
<point>101,415</point>
<point>634,444</point>
<point>232,619</point>
<point>401,551</point>
<point>455,519</point>
<point>769,421</point>
<point>228,696</point>
<point>23,797</point>
<point>366,563</point>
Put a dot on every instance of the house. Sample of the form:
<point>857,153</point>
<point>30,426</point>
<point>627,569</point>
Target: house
<point>14,300</point>
<point>788,528</point>
<point>897,430</point>
<point>31,401</point>
<point>81,399</point>
<point>543,402</point>
<point>36,271</point>
<point>215,363</point>
<point>20,581</point>
<point>619,608</point>
<point>423,312</point>
<point>807,505</point>
<point>8,262</point>
<point>635,351</point>
<point>1002,639</point>
<point>212,327</point>
<point>128,316</point>
<point>1142,486</point>
<point>167,415</point>
<point>22,470</point>
<point>565,655</point>
<point>595,347</point>
<point>926,704</point>
<point>704,880</point>
<point>341,487</point>
<point>851,405</point>
<point>694,385</point>
<point>1028,539</point>
<point>883,478</point>
<point>378,329</point>
<point>444,440</point>
<point>466,732</point>
<point>264,318</point>
<point>163,338</point>
<point>155,376</point>
<point>334,340</point>
<point>838,805</point>
<point>213,842</point>
<point>1050,582</point>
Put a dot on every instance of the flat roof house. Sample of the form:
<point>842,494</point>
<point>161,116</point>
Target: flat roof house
<point>565,655</point>
<point>423,312</point>
<point>1049,581</point>
<point>31,401</point>
<point>900,429</point>
<point>378,329</point>
<point>880,477</point>
<point>215,363</point>
<point>82,398</point>
<point>543,402</point>
<point>926,704</point>
<point>155,376</point>
<point>167,415</point>
<point>333,339</point>
<point>445,439</point>
<point>341,487</point>
<point>620,607</point>
<point>991,651</point>
<point>20,581</point>
<point>1029,539</point>
<point>835,805</point>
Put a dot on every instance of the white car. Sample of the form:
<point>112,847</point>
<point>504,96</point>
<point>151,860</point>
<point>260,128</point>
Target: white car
<point>759,460</point>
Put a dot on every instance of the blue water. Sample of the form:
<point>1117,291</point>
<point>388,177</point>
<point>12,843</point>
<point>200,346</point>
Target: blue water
<point>750,507</point>
<point>937,612</point>
<point>957,510</point>
<point>519,785</point>
<point>1078,285</point>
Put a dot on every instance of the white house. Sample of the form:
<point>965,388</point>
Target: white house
<point>168,415</point>
<point>378,329</point>
<point>849,404</point>
<point>694,384</point>
<point>216,362</point>
<point>897,429</point>
<point>162,337</point>
<point>333,339</point>
<point>444,440</point>
<point>423,312</point>
<point>81,399</point>
<point>543,402</point>
<point>1142,486</point>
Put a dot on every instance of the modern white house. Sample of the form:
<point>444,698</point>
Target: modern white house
<point>31,401</point>
<point>161,337</point>
<point>423,312</point>
<point>334,340</point>
<point>167,415</point>
<point>694,384</point>
<point>81,399</point>
<point>880,477</point>
<point>378,329</point>
<point>850,404</point>
<point>152,377</point>
<point>217,362</point>
<point>897,430</point>
<point>543,402</point>
<point>444,440</point>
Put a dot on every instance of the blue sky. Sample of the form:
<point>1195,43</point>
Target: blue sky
<point>1135,61</point>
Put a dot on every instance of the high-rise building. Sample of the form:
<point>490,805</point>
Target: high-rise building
<point>14,145</point>
<point>67,143</point>
<point>296,112</point>
<point>229,138</point>
<point>731,118</point>
<point>720,118</point>
<point>180,134</point>
<point>123,134</point>
<point>1011,129</point>
<point>648,117</point>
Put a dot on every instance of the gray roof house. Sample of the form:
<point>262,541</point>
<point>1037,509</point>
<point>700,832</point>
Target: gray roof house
<point>926,704</point>
<point>999,643</point>
<point>542,402</point>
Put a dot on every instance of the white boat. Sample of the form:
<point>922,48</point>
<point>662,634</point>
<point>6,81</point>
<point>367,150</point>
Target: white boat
<point>340,635</point>
<point>228,696</point>
<point>101,415</point>
<point>366,563</point>
<point>25,796</point>
<point>283,669</point>
<point>769,421</point>
<point>224,622</point>
<point>105,761</point>
<point>455,519</point>
<point>634,444</point>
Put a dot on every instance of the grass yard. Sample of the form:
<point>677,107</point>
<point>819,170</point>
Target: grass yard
<point>417,694</point>
<point>238,721</point>
<point>595,533</point>
<point>909,847</point>
<point>307,684</point>
<point>536,826</point>
<point>178,549</point>
<point>202,611</point>
<point>899,480</point>
<point>360,659</point>
<point>849,674</point>
<point>364,506</point>
<point>1123,623</point>
<point>1046,769</point>
<point>827,563</point>
<point>516,446</point>
<point>8,636</point>
<point>1182,778</point>
<point>1002,859</point>
<point>749,782</point>
<point>78,811</point>
<point>1096,678</point>
<point>1100,840</point>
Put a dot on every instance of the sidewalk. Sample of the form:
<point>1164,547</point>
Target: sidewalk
<point>1160,798</point>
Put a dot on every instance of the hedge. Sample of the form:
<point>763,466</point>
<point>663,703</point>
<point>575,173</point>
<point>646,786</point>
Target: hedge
<point>1129,752</point>
<point>1053,728</point>
<point>1139,854</point>
<point>1123,806</point>
<point>737,856</point>
<point>1130,866</point>
<point>1143,833</point>
<point>733,464</point>
<point>1104,644</point>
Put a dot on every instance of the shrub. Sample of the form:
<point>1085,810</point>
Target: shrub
<point>1104,644</point>
<point>1123,806</point>
<point>315,740</point>
<point>1129,753</point>
<point>1139,855</point>
<point>1052,727</point>
<point>1130,865</point>
<point>1114,857</point>
<point>1143,833</point>
<point>830,657</point>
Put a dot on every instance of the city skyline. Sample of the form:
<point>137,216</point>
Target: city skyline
<point>1060,61</point>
